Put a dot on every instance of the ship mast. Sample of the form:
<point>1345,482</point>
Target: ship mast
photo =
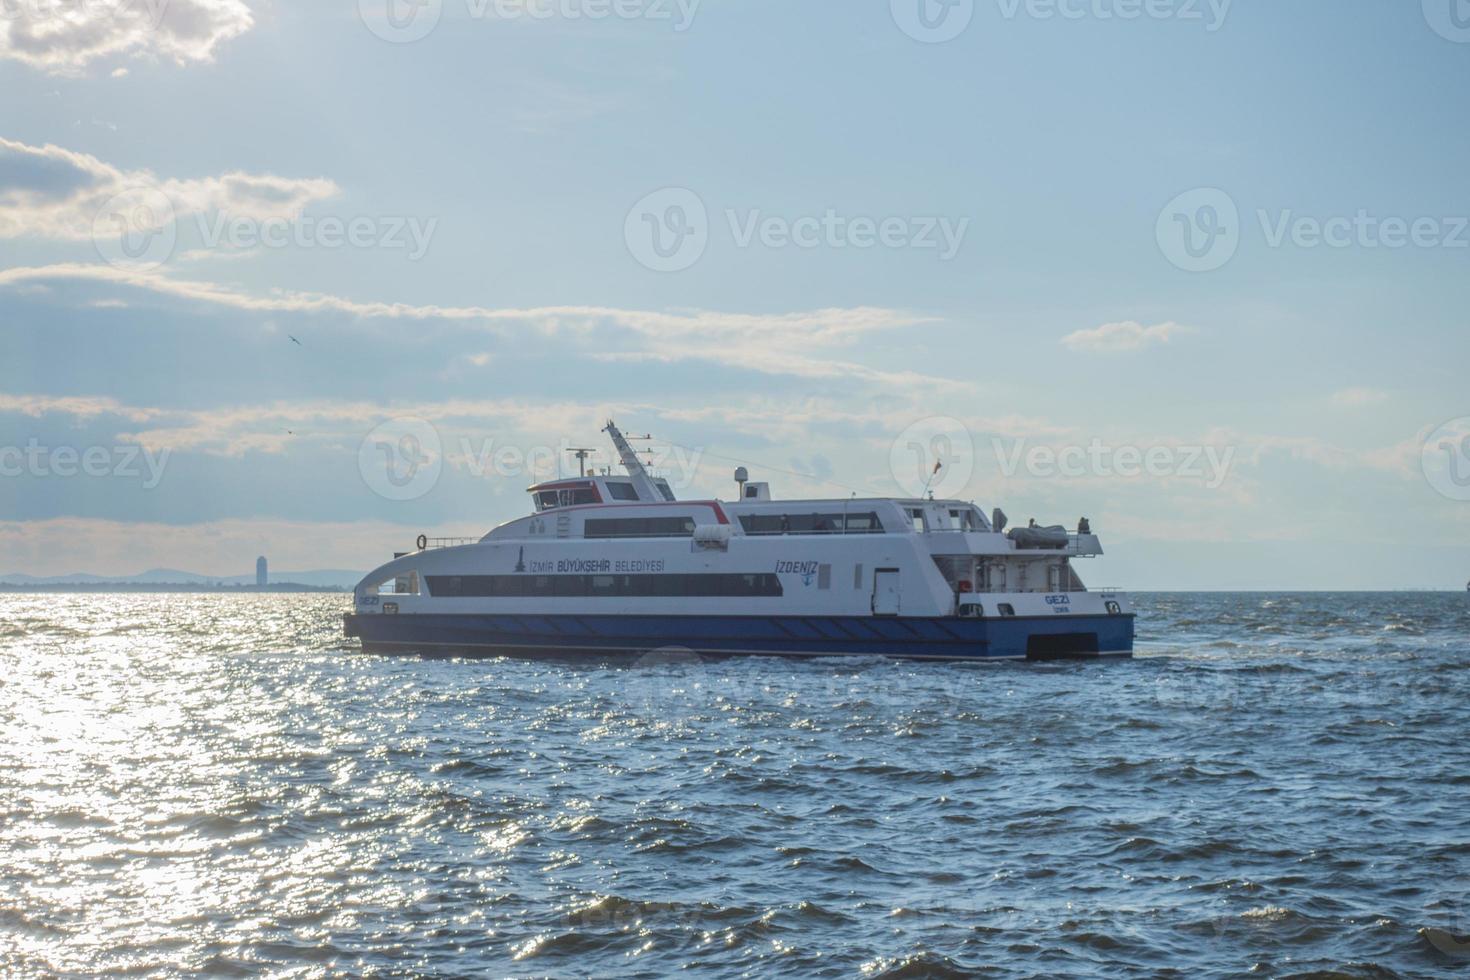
<point>642,482</point>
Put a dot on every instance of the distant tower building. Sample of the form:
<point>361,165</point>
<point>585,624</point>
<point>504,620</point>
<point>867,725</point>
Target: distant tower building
<point>261,578</point>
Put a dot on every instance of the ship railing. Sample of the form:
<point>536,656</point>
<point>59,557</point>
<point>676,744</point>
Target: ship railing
<point>429,544</point>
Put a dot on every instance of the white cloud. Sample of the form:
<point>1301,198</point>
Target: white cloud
<point>805,344</point>
<point>1125,336</point>
<point>64,36</point>
<point>52,192</point>
<point>1359,397</point>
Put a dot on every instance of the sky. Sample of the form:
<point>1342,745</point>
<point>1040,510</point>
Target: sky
<point>307,280</point>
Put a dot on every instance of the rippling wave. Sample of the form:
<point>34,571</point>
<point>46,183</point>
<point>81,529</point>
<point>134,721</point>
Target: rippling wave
<point>1277,784</point>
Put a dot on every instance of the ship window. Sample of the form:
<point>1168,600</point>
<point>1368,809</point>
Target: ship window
<point>546,499</point>
<point>663,488</point>
<point>622,491</point>
<point>824,577</point>
<point>405,583</point>
<point>857,576</point>
<point>561,586</point>
<point>762,523</point>
<point>859,523</point>
<point>1006,609</point>
<point>640,527</point>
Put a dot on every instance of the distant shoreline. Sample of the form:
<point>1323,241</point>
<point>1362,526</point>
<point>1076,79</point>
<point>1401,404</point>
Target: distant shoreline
<point>285,587</point>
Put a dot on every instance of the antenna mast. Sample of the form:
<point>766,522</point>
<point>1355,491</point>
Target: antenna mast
<point>642,482</point>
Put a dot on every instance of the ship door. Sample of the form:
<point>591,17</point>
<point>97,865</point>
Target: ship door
<point>885,592</point>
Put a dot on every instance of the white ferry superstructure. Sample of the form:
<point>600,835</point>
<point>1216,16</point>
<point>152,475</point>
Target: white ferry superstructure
<point>614,565</point>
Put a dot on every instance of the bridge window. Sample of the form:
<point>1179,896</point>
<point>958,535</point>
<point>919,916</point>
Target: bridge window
<point>622,491</point>
<point>567,497</point>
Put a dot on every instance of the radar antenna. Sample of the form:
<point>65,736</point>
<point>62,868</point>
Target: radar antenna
<point>581,454</point>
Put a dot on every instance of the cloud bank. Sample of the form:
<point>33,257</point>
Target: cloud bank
<point>1125,336</point>
<point>63,37</point>
<point>52,192</point>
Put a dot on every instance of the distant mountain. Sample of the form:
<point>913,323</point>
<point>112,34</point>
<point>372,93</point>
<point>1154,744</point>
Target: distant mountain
<point>322,578</point>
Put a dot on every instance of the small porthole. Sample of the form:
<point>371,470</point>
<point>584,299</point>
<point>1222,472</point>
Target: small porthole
<point>1114,609</point>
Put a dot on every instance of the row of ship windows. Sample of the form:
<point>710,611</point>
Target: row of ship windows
<point>557,586</point>
<point>753,524</point>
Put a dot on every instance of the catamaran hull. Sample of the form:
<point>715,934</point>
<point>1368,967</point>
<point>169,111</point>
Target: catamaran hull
<point>918,638</point>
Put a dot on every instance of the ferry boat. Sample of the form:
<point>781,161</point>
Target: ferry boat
<point>614,565</point>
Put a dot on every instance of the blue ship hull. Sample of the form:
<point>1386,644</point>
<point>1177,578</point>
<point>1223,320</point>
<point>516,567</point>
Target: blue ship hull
<point>948,638</point>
